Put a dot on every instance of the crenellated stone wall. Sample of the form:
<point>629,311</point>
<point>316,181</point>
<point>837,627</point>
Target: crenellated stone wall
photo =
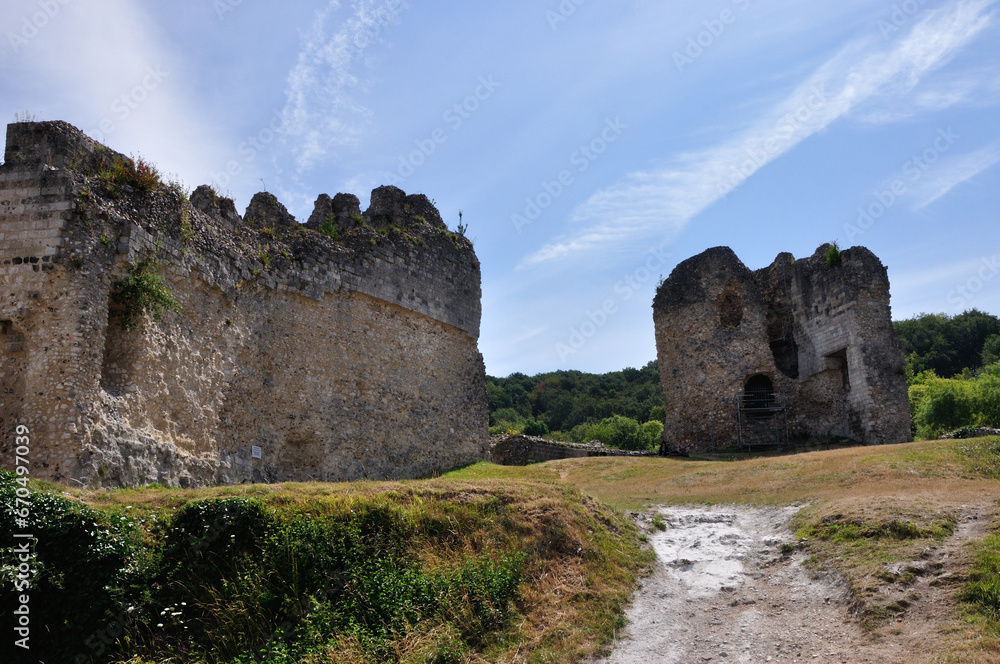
<point>819,334</point>
<point>343,348</point>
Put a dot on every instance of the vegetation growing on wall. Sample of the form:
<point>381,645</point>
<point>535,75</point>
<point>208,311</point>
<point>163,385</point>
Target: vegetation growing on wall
<point>833,255</point>
<point>121,172</point>
<point>142,292</point>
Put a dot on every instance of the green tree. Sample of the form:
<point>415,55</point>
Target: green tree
<point>946,344</point>
<point>991,350</point>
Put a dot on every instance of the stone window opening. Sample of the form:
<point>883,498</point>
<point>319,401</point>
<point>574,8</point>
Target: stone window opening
<point>730,308</point>
<point>119,346</point>
<point>11,340</point>
<point>838,361</point>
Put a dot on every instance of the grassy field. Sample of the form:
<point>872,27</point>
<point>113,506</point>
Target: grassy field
<point>484,564</point>
<point>863,508</point>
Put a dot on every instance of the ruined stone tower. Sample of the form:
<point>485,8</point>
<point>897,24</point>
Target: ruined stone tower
<point>340,349</point>
<point>801,349</point>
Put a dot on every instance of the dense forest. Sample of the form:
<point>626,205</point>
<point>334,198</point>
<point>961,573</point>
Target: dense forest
<point>948,345</point>
<point>622,408</point>
<point>951,367</point>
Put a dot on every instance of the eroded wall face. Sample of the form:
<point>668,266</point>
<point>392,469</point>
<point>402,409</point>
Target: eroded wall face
<point>383,393</point>
<point>852,361</point>
<point>710,338</point>
<point>338,361</point>
<point>822,335</point>
<point>343,388</point>
<point>49,326</point>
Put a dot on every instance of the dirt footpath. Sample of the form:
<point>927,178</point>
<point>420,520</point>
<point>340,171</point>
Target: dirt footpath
<point>723,592</point>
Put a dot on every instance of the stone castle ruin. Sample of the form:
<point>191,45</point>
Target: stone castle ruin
<point>339,349</point>
<point>803,349</point>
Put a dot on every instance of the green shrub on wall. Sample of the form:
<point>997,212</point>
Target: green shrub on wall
<point>122,171</point>
<point>142,292</point>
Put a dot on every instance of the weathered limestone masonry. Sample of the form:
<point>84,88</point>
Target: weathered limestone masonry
<point>800,341</point>
<point>345,358</point>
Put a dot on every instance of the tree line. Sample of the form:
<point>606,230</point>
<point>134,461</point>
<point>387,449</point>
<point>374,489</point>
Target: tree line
<point>621,408</point>
<point>951,369</point>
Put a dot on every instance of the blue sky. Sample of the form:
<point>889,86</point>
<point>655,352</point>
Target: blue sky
<point>590,145</point>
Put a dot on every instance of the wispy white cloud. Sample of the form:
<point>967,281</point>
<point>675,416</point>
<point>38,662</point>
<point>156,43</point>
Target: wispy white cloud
<point>668,198</point>
<point>322,113</point>
<point>529,334</point>
<point>976,88</point>
<point>955,171</point>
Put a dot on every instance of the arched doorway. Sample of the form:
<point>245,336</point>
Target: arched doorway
<point>758,393</point>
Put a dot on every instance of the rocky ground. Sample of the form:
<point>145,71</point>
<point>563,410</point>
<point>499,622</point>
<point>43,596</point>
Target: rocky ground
<point>726,590</point>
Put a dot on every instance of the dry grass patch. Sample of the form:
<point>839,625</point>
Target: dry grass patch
<point>889,519</point>
<point>963,469</point>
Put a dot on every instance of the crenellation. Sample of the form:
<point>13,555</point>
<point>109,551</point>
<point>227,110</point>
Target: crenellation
<point>341,358</point>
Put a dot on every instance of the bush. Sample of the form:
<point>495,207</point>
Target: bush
<point>143,291</point>
<point>122,171</point>
<point>620,432</point>
<point>508,416</point>
<point>833,257</point>
<point>81,560</point>
<point>653,431</point>
<point>535,427</point>
<point>986,398</point>
<point>941,404</point>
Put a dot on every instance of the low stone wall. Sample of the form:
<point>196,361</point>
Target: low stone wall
<point>518,450</point>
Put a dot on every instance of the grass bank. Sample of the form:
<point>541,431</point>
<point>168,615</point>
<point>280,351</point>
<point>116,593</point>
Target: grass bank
<point>433,571</point>
<point>875,515</point>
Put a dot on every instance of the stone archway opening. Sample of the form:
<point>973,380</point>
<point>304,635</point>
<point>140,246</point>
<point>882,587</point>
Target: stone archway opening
<point>758,394</point>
